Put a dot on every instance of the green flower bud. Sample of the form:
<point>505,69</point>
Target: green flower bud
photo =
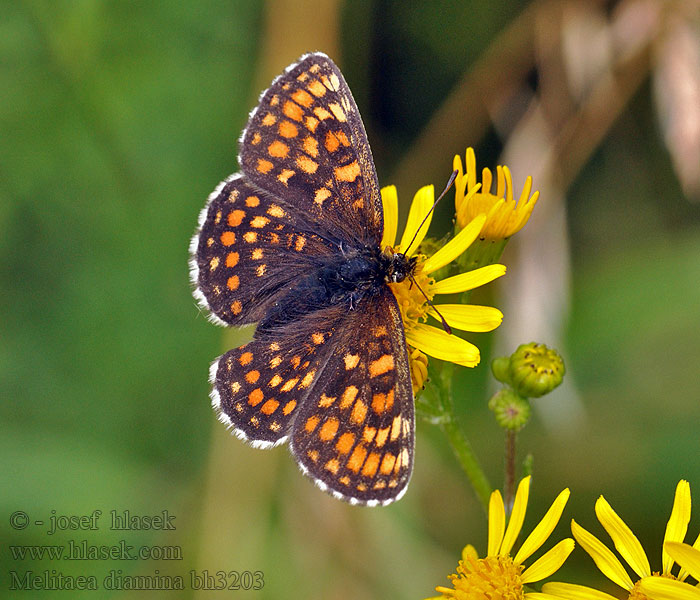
<point>535,370</point>
<point>512,411</point>
<point>500,367</point>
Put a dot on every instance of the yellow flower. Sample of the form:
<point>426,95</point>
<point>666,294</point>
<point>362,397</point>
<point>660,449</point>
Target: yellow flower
<point>660,588</point>
<point>499,575</point>
<point>504,216</point>
<point>427,339</point>
<point>629,547</point>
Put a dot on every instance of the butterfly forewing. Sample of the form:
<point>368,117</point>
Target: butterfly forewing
<point>305,141</point>
<point>249,249</point>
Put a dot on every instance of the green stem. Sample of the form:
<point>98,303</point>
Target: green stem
<point>459,442</point>
<point>467,459</point>
<point>509,488</point>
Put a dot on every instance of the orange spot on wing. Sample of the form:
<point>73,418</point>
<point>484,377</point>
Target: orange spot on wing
<point>371,465</point>
<point>259,222</point>
<point>276,211</point>
<point>275,381</point>
<point>264,166</point>
<point>382,436</point>
<point>308,378</point>
<point>278,149</point>
<point>252,201</point>
<point>269,407</point>
<point>289,385</point>
<point>285,174</point>
<point>328,430</point>
<point>299,244</point>
<point>348,397</point>
<point>348,172</point>
<point>311,424</point>
<point>382,403</point>
<point>311,124</point>
<point>345,442</point>
<point>289,407</point>
<point>303,97</point>
<point>322,113</point>
<point>316,88</point>
<point>381,365</point>
<point>293,110</point>
<point>359,412</point>
<point>255,397</point>
<point>214,263</point>
<point>269,119</point>
<point>326,401</point>
<point>233,282</point>
<point>387,465</point>
<point>356,459</point>
<point>250,236</point>
<point>236,307</point>
<point>307,165</point>
<point>333,466</point>
<point>246,358</point>
<point>288,129</point>
<point>395,427</point>
<point>252,376</point>
<point>321,195</point>
<point>368,434</point>
<point>338,112</point>
<point>228,238</point>
<point>311,146</point>
<point>351,361</point>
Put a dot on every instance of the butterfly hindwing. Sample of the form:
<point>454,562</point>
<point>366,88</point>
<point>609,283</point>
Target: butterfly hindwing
<point>259,387</point>
<point>305,140</point>
<point>249,247</point>
<point>354,433</point>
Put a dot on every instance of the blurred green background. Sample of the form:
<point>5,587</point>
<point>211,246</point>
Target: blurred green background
<point>117,119</point>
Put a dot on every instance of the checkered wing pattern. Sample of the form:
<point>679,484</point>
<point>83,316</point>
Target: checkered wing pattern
<point>339,384</point>
<point>306,141</point>
<point>354,433</point>
<point>249,249</point>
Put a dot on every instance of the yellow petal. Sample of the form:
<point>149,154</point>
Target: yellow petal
<point>390,204</point>
<point>469,552</point>
<point>661,588</point>
<point>677,525</point>
<point>549,562</point>
<point>468,281</point>
<point>625,541</point>
<point>497,522</point>
<point>420,209</point>
<point>604,559</point>
<point>468,317</point>
<point>539,596</point>
<point>440,344</point>
<point>572,591</point>
<point>456,246</point>
<point>686,556</point>
<point>544,528</point>
<point>517,516</point>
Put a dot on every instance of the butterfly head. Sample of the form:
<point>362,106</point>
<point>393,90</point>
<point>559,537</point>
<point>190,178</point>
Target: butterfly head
<point>398,266</point>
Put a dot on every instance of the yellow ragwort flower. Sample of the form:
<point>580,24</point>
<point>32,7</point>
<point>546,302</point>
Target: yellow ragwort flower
<point>661,588</point>
<point>427,339</point>
<point>504,216</point>
<point>630,549</point>
<point>500,575</point>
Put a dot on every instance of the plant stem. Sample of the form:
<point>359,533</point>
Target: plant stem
<point>509,487</point>
<point>467,459</point>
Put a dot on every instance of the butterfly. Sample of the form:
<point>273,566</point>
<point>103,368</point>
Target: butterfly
<point>292,242</point>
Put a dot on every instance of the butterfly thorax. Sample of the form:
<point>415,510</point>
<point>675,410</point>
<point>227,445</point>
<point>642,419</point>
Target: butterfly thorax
<point>345,279</point>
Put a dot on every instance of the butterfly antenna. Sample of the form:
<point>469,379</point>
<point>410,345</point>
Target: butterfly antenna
<point>445,326</point>
<point>450,181</point>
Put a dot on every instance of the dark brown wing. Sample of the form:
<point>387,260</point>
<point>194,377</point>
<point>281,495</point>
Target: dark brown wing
<point>249,250</point>
<point>305,143</point>
<point>354,433</point>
